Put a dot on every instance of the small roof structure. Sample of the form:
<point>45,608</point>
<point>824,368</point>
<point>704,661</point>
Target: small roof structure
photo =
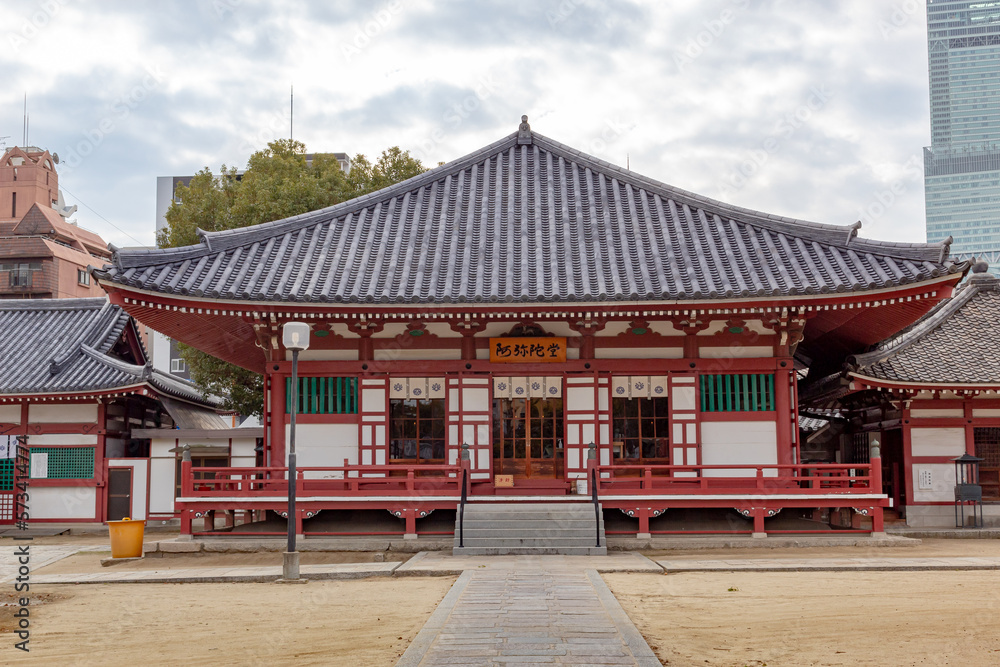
<point>75,346</point>
<point>953,346</point>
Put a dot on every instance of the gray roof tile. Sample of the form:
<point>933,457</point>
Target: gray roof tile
<point>62,345</point>
<point>536,222</point>
<point>953,344</point>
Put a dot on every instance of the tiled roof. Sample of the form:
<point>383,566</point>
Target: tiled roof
<point>62,345</point>
<point>527,219</point>
<point>953,344</point>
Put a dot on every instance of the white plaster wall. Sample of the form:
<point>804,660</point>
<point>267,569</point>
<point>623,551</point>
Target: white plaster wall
<point>475,399</point>
<point>10,414</point>
<point>580,398</point>
<point>976,412</point>
<point>684,398</point>
<point>140,472</point>
<point>747,443</point>
<point>639,353</point>
<point>58,502</point>
<point>937,412</point>
<point>161,485</point>
<point>62,414</point>
<point>159,447</point>
<point>431,354</point>
<point>243,454</point>
<point>322,445</point>
<point>325,355</point>
<point>736,351</point>
<point>937,441</point>
<point>372,400</point>
<point>942,483</point>
<point>61,439</point>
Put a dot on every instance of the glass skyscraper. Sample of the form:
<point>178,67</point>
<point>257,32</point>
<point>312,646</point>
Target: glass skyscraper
<point>962,164</point>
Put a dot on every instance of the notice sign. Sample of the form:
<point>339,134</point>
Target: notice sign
<point>527,350</point>
<point>40,465</point>
<point>503,481</point>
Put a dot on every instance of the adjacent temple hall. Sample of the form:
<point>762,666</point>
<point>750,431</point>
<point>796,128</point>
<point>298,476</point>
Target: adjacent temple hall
<point>545,325</point>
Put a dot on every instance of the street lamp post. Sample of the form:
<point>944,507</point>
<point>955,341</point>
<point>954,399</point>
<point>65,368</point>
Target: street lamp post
<point>295,338</point>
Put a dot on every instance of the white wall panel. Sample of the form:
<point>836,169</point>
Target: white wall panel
<point>373,400</point>
<point>161,485</point>
<point>71,413</point>
<point>937,412</point>
<point>324,445</point>
<point>580,398</point>
<point>10,414</point>
<point>59,502</point>
<point>61,439</point>
<point>745,443</point>
<point>942,483</point>
<point>684,398</point>
<point>937,441</point>
<point>735,352</point>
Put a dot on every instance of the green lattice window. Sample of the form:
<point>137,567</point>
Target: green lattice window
<point>324,396</point>
<point>6,474</point>
<point>65,462</point>
<point>740,392</point>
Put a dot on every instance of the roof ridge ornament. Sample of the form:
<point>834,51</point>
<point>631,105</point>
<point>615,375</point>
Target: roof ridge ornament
<point>524,132</point>
<point>852,231</point>
<point>203,237</point>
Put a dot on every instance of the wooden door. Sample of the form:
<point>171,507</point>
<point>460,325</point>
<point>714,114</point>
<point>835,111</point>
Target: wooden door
<point>119,493</point>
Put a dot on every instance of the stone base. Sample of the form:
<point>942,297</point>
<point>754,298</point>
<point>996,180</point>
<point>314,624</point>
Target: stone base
<point>643,536</point>
<point>758,536</point>
<point>290,566</point>
<point>409,536</point>
<point>291,581</point>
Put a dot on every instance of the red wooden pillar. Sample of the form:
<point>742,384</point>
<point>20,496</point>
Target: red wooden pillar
<point>185,522</point>
<point>783,412</point>
<point>758,522</point>
<point>275,446</point>
<point>643,521</point>
<point>878,519</point>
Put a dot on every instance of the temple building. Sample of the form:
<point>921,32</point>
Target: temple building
<point>930,394</point>
<point>76,387</point>
<point>528,317</point>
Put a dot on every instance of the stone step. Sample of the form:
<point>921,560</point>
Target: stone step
<point>514,528</point>
<point>530,542</point>
<point>530,551</point>
<point>515,534</point>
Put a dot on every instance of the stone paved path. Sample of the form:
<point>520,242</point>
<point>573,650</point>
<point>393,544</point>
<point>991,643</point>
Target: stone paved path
<point>40,556</point>
<point>525,617</point>
<point>829,564</point>
<point>217,575</point>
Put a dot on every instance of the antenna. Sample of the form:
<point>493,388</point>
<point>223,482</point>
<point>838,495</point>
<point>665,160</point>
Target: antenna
<point>24,137</point>
<point>291,113</point>
<point>627,163</point>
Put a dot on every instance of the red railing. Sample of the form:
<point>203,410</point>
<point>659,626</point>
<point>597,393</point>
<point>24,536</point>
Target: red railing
<point>346,480</point>
<point>772,478</point>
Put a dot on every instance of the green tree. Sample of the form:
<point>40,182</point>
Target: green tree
<point>278,183</point>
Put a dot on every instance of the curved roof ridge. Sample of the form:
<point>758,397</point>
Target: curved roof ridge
<point>117,364</point>
<point>926,325</point>
<point>92,303</point>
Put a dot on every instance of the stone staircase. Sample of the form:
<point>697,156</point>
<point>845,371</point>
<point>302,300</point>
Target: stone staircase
<point>530,528</point>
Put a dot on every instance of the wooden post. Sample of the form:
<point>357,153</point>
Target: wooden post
<point>875,481</point>
<point>758,522</point>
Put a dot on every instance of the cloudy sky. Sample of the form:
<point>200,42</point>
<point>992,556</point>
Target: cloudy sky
<point>815,109</point>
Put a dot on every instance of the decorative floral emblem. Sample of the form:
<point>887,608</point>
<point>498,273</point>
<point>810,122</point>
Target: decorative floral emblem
<point>658,390</point>
<point>619,390</point>
<point>398,386</point>
<point>519,391</point>
<point>535,386</point>
<point>553,390</point>
<point>501,386</point>
<point>417,391</point>
<point>640,385</point>
<point>436,386</point>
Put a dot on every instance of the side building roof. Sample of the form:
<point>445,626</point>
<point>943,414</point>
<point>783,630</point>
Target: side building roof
<point>528,219</point>
<point>953,344</point>
<point>57,346</point>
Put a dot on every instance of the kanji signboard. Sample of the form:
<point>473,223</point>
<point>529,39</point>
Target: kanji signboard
<point>527,350</point>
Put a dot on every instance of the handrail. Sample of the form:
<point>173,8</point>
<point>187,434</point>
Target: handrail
<point>461,508</point>
<point>597,507</point>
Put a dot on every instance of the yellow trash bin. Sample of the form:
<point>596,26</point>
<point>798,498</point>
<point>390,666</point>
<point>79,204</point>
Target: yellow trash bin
<point>126,538</point>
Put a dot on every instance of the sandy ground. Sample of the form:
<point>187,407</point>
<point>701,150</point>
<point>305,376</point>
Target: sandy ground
<point>91,561</point>
<point>363,622</point>
<point>821,618</point>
